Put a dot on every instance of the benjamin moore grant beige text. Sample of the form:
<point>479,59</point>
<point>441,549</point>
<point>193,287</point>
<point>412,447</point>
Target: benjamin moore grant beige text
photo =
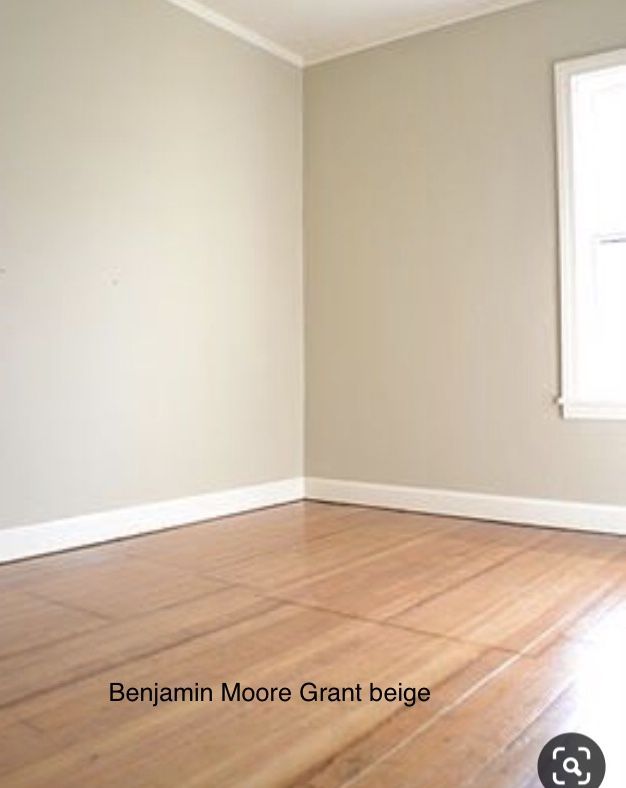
<point>150,242</point>
<point>432,262</point>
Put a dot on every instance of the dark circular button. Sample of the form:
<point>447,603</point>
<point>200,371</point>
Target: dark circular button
<point>571,760</point>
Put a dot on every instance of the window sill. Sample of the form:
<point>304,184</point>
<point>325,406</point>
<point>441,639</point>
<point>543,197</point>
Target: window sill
<point>599,411</point>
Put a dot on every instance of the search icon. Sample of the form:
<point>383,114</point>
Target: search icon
<point>570,759</point>
<point>571,766</point>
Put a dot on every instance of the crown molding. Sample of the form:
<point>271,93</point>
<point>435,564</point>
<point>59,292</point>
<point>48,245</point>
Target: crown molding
<point>443,21</point>
<point>240,31</point>
<point>202,11</point>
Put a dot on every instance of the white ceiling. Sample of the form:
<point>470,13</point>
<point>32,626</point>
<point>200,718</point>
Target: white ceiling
<point>316,30</point>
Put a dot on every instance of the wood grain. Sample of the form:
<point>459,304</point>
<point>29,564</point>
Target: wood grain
<point>518,632</point>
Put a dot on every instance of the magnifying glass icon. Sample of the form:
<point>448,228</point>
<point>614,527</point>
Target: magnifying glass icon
<point>570,766</point>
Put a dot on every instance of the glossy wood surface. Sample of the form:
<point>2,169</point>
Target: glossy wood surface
<point>520,633</point>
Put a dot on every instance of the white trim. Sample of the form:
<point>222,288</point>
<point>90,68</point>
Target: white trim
<point>566,224</point>
<point>70,533</point>
<point>426,27</point>
<point>564,72</point>
<point>54,536</point>
<point>526,511</point>
<point>602,411</point>
<point>611,59</point>
<point>206,13</point>
<point>202,11</point>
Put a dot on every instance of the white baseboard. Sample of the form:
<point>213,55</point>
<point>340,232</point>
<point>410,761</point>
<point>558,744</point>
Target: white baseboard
<point>526,511</point>
<point>57,535</point>
<point>51,537</point>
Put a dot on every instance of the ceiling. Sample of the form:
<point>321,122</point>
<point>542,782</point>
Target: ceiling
<point>314,30</point>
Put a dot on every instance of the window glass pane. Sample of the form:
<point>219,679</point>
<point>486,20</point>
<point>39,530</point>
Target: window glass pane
<point>599,176</point>
<point>609,289</point>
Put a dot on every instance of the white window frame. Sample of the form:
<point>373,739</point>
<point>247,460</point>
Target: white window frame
<point>564,72</point>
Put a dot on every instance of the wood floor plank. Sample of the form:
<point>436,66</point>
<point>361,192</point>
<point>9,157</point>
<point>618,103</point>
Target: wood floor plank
<point>62,663</point>
<point>584,545</point>
<point>28,622</point>
<point>366,751</point>
<point>510,605</point>
<point>382,586</point>
<point>202,745</point>
<point>216,544</point>
<point>122,587</point>
<point>19,574</point>
<point>375,535</point>
<point>458,746</point>
<point>592,703</point>
<point>604,620</point>
<point>19,741</point>
<point>480,532</point>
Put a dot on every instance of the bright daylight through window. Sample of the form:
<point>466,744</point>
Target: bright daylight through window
<point>591,103</point>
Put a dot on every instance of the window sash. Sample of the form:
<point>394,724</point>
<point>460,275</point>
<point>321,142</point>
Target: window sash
<point>586,377</point>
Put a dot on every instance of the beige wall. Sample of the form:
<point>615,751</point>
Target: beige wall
<point>150,256</point>
<point>431,255</point>
<point>150,260</point>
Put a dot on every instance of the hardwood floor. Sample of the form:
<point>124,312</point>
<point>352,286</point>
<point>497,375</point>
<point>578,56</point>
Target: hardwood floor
<point>519,633</point>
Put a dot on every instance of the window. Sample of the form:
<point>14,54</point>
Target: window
<point>591,110</point>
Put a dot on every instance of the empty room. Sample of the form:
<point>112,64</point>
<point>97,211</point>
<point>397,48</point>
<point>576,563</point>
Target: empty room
<point>312,393</point>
